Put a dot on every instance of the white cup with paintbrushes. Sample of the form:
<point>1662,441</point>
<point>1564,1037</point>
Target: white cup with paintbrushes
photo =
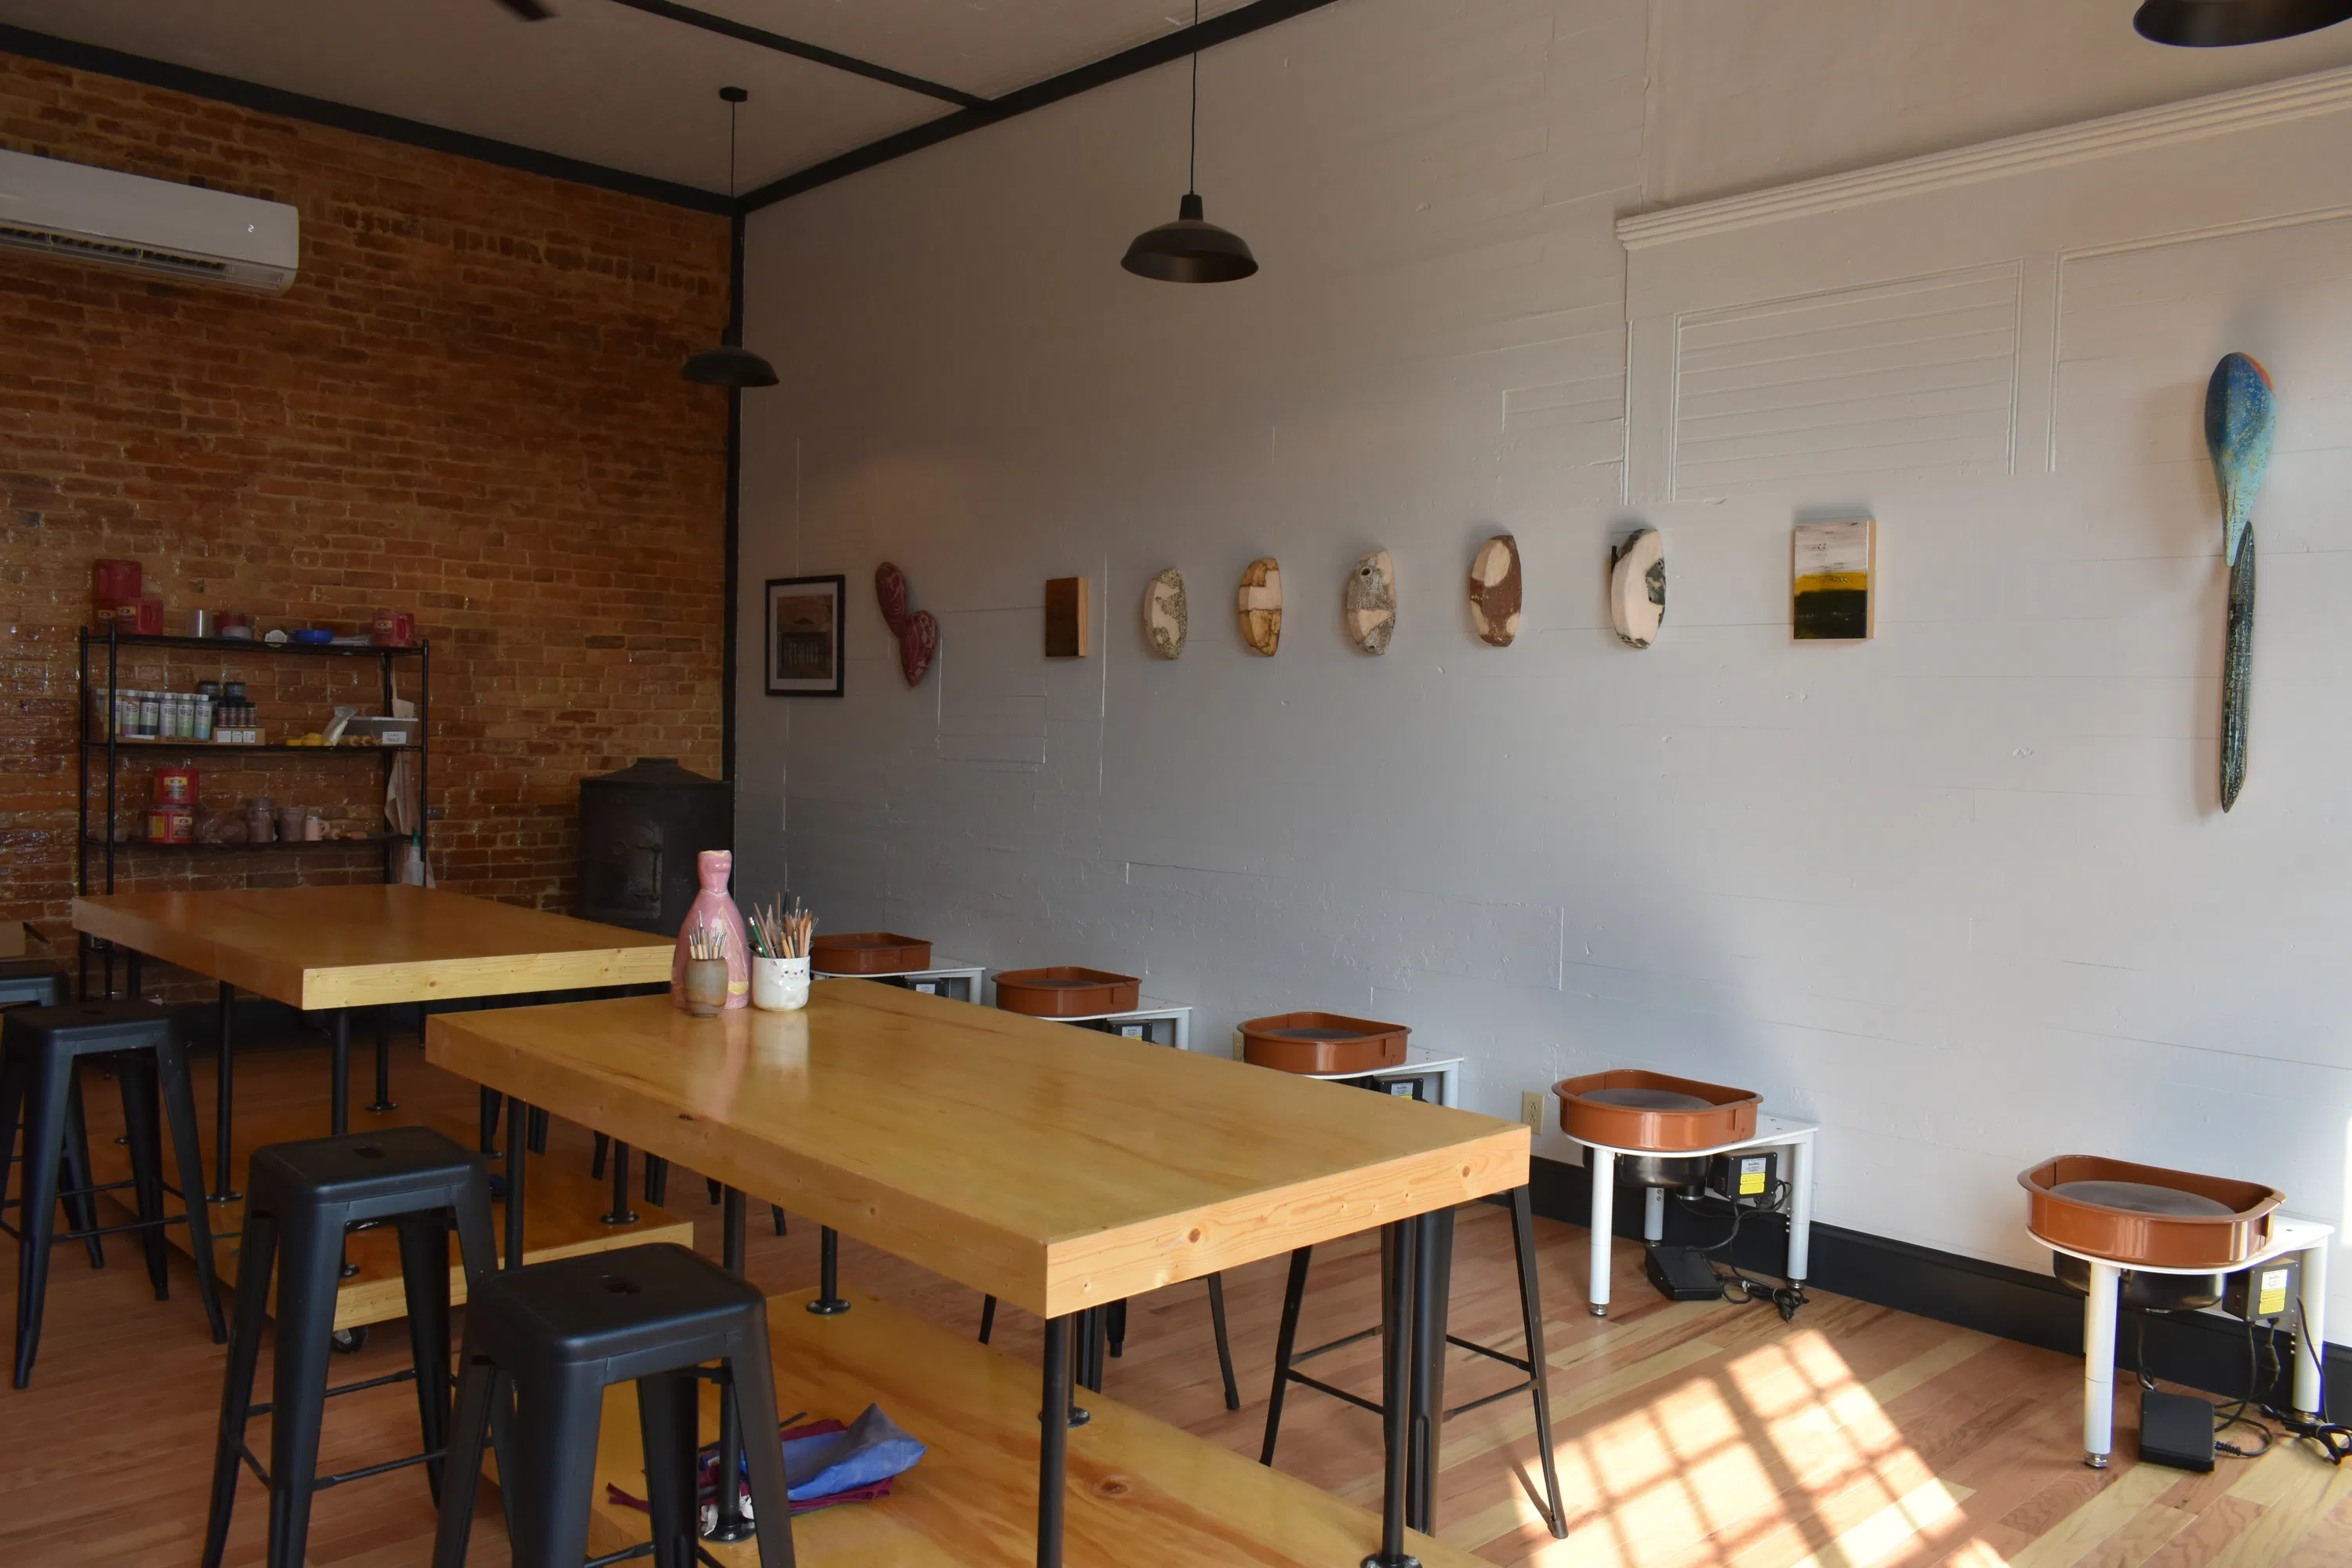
<point>780,956</point>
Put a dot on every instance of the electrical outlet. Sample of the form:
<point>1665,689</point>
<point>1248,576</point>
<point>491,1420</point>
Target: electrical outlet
<point>1531,1108</point>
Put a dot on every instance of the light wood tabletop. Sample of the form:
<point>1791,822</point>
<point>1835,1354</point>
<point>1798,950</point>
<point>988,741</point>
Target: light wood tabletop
<point>1054,1167</point>
<point>353,947</point>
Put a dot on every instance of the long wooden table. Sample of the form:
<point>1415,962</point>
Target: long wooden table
<point>335,949</point>
<point>1057,1169</point>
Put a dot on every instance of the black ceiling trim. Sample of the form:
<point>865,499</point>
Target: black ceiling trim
<point>343,117</point>
<point>1235,24</point>
<point>731,28</point>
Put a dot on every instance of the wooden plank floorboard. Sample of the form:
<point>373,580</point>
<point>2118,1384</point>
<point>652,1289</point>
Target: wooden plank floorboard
<point>1689,1434</point>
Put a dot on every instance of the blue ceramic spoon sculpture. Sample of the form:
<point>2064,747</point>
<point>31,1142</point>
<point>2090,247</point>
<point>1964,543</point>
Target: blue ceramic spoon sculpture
<point>2240,415</point>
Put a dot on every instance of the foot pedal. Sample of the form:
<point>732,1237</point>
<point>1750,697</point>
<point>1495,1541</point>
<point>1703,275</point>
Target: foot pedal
<point>1681,1274</point>
<point>2176,1429</point>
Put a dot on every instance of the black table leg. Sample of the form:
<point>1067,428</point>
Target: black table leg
<point>224,1097</point>
<point>730,1524</point>
<point>1403,1247</point>
<point>383,1101</point>
<point>339,1114</point>
<point>1053,1443</point>
<point>828,1302</point>
<point>1523,1244</point>
<point>131,973</point>
<point>621,1213</point>
<point>518,1154</point>
<point>1433,1275</point>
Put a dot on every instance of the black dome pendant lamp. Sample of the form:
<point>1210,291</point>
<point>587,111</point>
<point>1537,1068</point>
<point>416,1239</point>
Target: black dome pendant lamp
<point>730,364</point>
<point>2223,24</point>
<point>1192,249</point>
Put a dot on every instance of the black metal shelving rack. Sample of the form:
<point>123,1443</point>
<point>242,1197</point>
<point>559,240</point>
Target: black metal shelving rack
<point>113,747</point>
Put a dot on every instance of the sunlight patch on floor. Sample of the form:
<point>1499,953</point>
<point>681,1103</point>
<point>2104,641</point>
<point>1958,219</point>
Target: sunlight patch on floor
<point>1775,1457</point>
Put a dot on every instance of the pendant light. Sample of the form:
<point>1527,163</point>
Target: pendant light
<point>2220,24</point>
<point>1192,249</point>
<point>730,364</point>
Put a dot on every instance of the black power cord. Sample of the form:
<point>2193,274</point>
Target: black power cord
<point>1739,1286</point>
<point>2333,1441</point>
<point>2227,1414</point>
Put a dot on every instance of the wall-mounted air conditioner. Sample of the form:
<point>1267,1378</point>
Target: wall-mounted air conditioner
<point>75,211</point>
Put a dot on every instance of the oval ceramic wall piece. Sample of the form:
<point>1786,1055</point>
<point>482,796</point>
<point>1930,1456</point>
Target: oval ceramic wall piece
<point>1370,601</point>
<point>1259,606</point>
<point>1637,588</point>
<point>1495,591</point>
<point>918,644</point>
<point>1164,613</point>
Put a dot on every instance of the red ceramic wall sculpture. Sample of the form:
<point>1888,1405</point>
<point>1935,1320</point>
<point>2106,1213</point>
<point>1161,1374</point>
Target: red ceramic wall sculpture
<point>917,634</point>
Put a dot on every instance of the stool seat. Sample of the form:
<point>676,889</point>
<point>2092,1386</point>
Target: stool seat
<point>87,1028</point>
<point>39,1050</point>
<point>369,1176</point>
<point>543,1342</point>
<point>34,981</point>
<point>660,1305</point>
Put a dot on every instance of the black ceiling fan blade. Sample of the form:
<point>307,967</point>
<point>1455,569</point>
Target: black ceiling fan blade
<point>529,10</point>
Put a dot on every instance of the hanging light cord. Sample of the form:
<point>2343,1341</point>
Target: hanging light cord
<point>732,107</point>
<point>1192,142</point>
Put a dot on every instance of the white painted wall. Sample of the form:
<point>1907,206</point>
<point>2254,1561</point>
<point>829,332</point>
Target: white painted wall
<point>1960,893</point>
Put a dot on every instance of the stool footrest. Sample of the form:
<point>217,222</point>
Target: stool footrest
<point>64,1193</point>
<point>1341,1343</point>
<point>320,1483</point>
<point>1516,1388</point>
<point>1491,1353</point>
<point>405,1374</point>
<point>1320,1387</point>
<point>100,1229</point>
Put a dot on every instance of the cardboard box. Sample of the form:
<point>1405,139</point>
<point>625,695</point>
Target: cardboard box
<point>14,937</point>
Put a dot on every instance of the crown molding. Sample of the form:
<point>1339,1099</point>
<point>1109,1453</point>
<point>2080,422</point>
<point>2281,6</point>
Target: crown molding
<point>2272,103</point>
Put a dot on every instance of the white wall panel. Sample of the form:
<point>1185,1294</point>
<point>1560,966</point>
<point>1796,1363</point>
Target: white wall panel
<point>1961,891</point>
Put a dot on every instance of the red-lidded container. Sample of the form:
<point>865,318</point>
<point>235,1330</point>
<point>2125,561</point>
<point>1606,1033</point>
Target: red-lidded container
<point>393,629</point>
<point>172,814</point>
<point>176,787</point>
<point>115,581</point>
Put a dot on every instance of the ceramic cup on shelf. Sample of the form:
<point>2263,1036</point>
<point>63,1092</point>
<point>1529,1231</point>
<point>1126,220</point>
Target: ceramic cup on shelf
<point>703,987</point>
<point>780,984</point>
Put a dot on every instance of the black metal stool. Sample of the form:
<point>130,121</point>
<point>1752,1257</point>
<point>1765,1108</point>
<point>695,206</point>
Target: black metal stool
<point>37,982</point>
<point>38,1049</point>
<point>300,1200</point>
<point>545,1341</point>
<point>1435,1280</point>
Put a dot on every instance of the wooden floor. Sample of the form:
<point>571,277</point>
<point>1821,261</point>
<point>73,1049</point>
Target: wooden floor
<point>1686,1434</point>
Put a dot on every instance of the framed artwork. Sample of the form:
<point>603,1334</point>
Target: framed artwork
<point>1066,618</point>
<point>1833,595</point>
<point>805,637</point>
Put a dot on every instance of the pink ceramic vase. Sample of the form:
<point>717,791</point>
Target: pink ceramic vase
<point>712,909</point>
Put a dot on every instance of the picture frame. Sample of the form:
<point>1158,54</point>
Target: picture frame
<point>1833,581</point>
<point>805,646</point>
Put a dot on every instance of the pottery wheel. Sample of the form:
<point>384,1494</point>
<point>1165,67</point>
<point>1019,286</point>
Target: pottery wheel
<point>1647,1099</point>
<point>2142,1197</point>
<point>1312,1035</point>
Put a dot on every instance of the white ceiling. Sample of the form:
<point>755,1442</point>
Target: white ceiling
<point>616,87</point>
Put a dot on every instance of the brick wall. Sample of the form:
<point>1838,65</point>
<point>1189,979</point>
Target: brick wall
<point>468,406</point>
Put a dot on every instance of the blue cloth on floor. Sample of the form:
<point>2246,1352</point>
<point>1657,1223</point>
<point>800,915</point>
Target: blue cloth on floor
<point>872,1449</point>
